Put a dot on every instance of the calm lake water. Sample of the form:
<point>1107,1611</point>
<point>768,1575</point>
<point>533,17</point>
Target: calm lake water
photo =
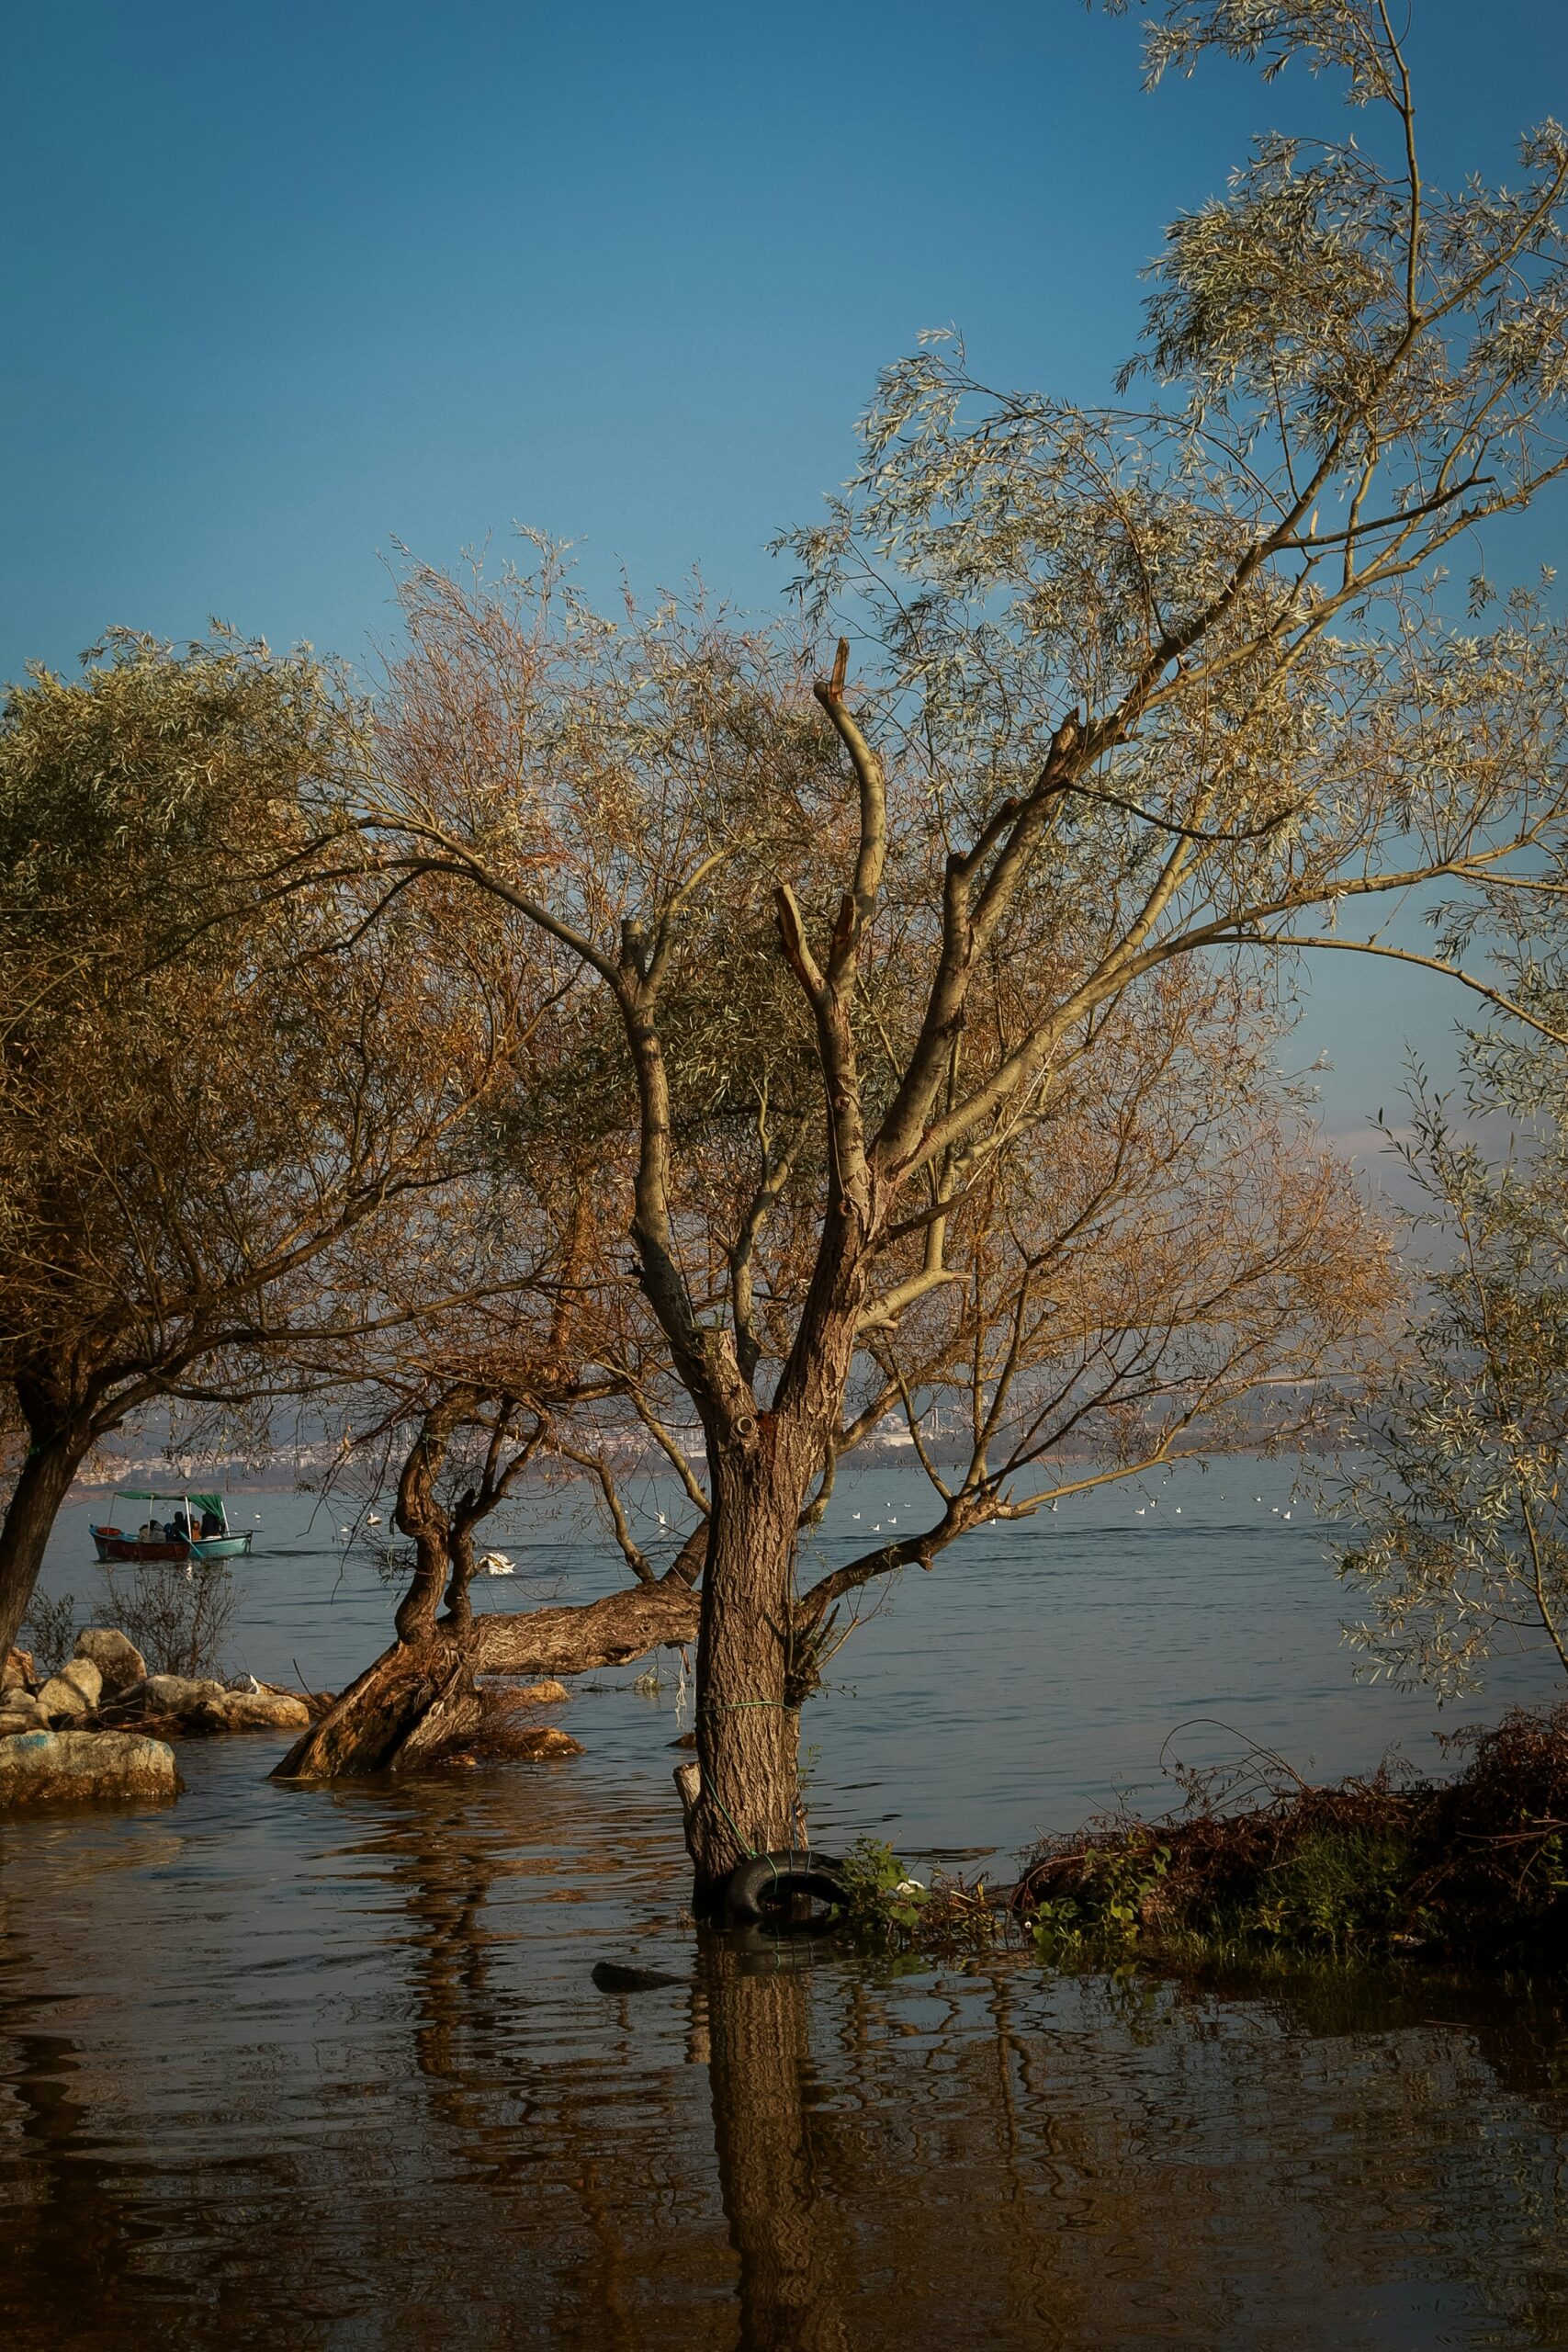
<point>327,2069</point>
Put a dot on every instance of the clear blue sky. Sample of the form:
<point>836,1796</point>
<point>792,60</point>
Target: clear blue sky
<point>286,283</point>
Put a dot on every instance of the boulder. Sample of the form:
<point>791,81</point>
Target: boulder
<point>118,1659</point>
<point>83,1767</point>
<point>249,1710</point>
<point>164,1696</point>
<point>549,1693</point>
<point>17,1670</point>
<point>83,1676</point>
<point>62,1701</point>
<point>173,1694</point>
<point>20,1711</point>
<point>545,1741</point>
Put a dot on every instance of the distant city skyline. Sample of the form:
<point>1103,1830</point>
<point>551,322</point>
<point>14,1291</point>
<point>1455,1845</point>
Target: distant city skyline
<point>290,285</point>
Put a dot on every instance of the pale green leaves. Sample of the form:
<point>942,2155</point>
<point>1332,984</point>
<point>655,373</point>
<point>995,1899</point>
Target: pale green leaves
<point>1463,1511</point>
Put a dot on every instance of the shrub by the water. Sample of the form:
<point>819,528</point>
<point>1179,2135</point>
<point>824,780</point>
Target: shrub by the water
<point>48,1629</point>
<point>886,1905</point>
<point>1469,1866</point>
<point>176,1615</point>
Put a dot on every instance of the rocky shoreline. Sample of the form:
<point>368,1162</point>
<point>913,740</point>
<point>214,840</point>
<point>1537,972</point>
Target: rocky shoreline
<point>100,1727</point>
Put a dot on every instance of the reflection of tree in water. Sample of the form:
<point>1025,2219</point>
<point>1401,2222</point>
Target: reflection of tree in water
<point>459,2151</point>
<point>446,1870</point>
<point>97,2255</point>
<point>501,2105</point>
<point>783,2223</point>
<point>987,2159</point>
<point>65,2220</point>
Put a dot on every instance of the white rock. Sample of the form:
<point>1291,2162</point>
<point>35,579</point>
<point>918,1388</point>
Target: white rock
<point>118,1659</point>
<point>83,1676</point>
<point>61,1699</point>
<point>174,1695</point>
<point>162,1694</point>
<point>251,1711</point>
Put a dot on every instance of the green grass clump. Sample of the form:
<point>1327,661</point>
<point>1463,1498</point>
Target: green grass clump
<point>889,1908</point>
<point>1343,1890</point>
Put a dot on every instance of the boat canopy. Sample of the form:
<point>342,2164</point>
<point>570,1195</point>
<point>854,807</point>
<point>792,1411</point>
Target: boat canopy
<point>180,1495</point>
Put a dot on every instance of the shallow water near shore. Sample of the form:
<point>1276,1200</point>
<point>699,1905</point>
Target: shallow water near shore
<point>326,2067</point>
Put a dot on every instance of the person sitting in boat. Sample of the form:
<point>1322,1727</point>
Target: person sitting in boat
<point>211,1523</point>
<point>177,1530</point>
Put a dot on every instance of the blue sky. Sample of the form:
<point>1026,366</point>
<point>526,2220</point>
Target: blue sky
<point>289,283</point>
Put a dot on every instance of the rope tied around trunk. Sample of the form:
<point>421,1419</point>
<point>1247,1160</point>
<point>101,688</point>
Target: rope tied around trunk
<point>753,1853</point>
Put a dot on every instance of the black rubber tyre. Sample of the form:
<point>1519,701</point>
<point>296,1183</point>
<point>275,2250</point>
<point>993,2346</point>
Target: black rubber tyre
<point>768,1885</point>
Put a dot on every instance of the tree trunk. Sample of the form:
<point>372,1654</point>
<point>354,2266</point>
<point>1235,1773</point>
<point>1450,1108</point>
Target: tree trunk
<point>458,1613</point>
<point>419,1515</point>
<point>748,1801</point>
<point>42,1485</point>
<point>379,1721</point>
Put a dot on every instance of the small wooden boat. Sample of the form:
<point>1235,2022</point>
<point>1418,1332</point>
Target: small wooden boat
<point>199,1529</point>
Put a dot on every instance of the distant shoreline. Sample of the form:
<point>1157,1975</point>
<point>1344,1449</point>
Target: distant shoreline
<point>307,1478</point>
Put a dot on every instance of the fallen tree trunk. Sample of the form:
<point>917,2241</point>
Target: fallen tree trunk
<point>418,1695</point>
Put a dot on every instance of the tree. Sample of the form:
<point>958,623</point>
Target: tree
<point>1148,701</point>
<point>456,1406</point>
<point>1463,1515</point>
<point>220,1096</point>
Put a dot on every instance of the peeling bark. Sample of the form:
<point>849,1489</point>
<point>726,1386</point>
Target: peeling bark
<point>576,1639</point>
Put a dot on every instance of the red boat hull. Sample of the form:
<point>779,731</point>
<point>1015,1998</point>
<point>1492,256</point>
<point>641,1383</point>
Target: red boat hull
<point>132,1548</point>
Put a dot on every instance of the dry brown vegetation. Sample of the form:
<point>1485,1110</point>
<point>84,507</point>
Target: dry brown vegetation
<point>1473,1864</point>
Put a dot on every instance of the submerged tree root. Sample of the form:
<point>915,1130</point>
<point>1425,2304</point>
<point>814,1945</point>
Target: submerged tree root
<point>422,1699</point>
<point>1460,1868</point>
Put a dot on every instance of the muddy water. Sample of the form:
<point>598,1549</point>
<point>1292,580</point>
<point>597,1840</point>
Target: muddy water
<point>327,2069</point>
